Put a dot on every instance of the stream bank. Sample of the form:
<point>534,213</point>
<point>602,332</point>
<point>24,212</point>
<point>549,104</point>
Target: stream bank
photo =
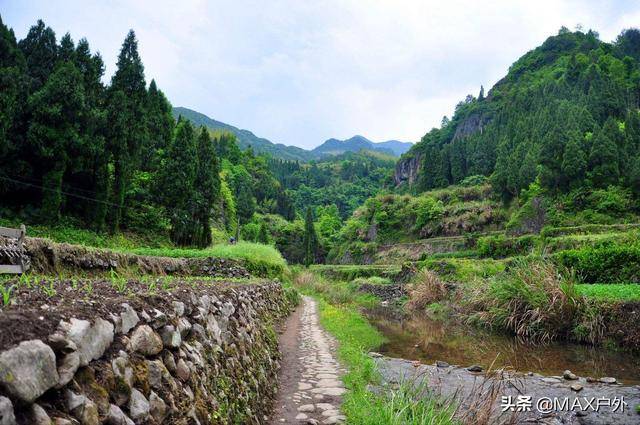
<point>479,394</point>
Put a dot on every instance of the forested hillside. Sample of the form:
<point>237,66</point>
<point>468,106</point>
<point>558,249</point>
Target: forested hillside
<point>245,138</point>
<point>80,154</point>
<point>566,113</point>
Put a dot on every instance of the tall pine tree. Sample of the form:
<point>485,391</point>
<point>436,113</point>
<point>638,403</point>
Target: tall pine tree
<point>128,90</point>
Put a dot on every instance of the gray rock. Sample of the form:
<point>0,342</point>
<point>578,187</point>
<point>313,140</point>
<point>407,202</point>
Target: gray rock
<point>171,337</point>
<point>607,380</point>
<point>117,416</point>
<point>128,319</point>
<point>67,369</point>
<point>375,355</point>
<point>182,370</point>
<point>155,371</point>
<point>6,412</point>
<point>82,408</point>
<point>178,308</point>
<point>28,370</point>
<point>145,341</point>
<point>169,362</point>
<point>92,340</point>
<point>158,407</point>
<point>159,319</point>
<point>213,328</point>
<point>205,303</point>
<point>138,406</point>
<point>440,363</point>
<point>576,387</point>
<point>74,400</point>
<point>475,368</point>
<point>568,375</point>
<point>38,416</point>
<point>184,327</point>
<point>61,343</point>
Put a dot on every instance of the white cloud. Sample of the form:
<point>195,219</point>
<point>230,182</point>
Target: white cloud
<point>299,72</point>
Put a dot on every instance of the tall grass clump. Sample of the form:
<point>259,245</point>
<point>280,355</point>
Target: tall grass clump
<point>425,288</point>
<point>533,300</point>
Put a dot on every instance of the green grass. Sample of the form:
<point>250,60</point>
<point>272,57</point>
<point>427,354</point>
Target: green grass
<point>263,260</point>
<point>339,304</point>
<point>69,234</point>
<point>611,292</point>
<point>406,405</point>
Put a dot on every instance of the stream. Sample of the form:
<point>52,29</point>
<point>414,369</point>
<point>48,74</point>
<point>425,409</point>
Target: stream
<point>419,337</point>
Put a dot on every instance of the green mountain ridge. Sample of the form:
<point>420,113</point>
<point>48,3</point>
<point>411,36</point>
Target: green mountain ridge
<point>565,115</point>
<point>293,153</point>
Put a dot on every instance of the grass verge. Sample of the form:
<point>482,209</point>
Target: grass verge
<point>340,316</point>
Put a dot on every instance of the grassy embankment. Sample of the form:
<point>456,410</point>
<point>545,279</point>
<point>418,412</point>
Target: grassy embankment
<point>259,259</point>
<point>339,304</point>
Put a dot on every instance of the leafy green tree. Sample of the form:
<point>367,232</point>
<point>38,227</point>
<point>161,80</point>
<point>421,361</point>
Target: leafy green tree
<point>310,241</point>
<point>329,222</point>
<point>54,131</point>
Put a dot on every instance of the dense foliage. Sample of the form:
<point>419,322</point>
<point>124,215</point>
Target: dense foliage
<point>345,180</point>
<point>566,114</point>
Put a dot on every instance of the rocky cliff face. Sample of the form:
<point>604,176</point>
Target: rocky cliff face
<point>407,170</point>
<point>191,352</point>
<point>408,167</point>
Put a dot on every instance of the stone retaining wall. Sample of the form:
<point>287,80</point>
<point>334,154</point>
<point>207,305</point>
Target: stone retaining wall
<point>200,355</point>
<point>51,258</point>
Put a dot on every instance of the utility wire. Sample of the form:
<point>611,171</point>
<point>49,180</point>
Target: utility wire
<point>86,198</point>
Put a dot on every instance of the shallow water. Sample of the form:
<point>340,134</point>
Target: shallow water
<point>418,337</point>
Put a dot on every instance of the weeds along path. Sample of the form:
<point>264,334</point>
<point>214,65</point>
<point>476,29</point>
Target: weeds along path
<point>310,386</point>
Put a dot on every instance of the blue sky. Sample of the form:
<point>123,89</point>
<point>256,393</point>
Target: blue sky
<point>299,72</point>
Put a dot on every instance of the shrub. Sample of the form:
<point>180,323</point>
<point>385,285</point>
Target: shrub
<point>613,201</point>
<point>533,301</point>
<point>425,288</point>
<point>613,263</point>
<point>500,246</point>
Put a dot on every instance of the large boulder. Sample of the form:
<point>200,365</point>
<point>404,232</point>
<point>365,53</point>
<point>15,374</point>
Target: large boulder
<point>28,370</point>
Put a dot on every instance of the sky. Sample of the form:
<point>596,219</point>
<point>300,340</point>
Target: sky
<point>299,72</point>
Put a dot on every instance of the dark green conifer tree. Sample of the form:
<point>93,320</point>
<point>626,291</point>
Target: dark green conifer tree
<point>56,110</point>
<point>178,185</point>
<point>207,186</point>
<point>126,142</point>
<point>310,241</point>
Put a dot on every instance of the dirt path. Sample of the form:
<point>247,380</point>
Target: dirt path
<point>310,386</point>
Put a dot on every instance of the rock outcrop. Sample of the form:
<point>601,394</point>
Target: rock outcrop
<point>408,169</point>
<point>201,354</point>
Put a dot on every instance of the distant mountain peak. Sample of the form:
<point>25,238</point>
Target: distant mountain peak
<point>356,143</point>
<point>293,153</point>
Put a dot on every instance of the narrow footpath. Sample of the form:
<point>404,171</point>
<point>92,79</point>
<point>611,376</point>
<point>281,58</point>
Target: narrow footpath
<point>310,386</point>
